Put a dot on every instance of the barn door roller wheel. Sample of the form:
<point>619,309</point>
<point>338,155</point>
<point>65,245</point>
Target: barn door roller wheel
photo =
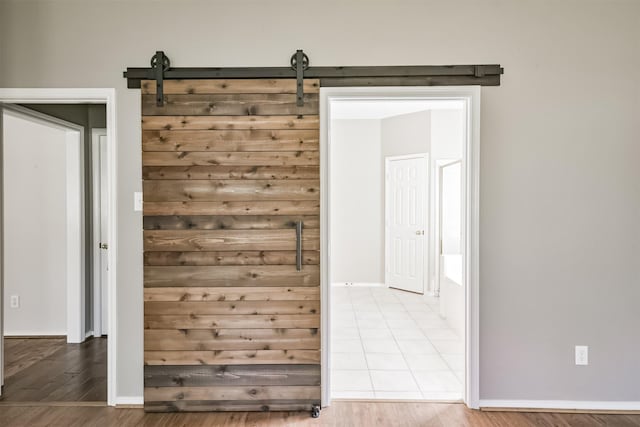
<point>315,411</point>
<point>160,63</point>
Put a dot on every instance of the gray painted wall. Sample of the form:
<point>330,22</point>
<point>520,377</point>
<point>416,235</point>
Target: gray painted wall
<point>559,182</point>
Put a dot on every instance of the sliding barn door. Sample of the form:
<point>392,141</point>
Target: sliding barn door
<point>230,169</point>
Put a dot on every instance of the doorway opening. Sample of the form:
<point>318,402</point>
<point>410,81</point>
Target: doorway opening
<point>400,180</point>
<point>57,186</point>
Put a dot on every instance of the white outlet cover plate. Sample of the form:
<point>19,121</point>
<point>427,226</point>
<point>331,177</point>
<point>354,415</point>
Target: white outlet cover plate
<point>582,355</point>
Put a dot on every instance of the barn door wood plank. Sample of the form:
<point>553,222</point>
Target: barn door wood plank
<point>232,321</point>
<point>268,104</point>
<point>229,258</point>
<point>230,158</point>
<point>259,207</point>
<point>219,222</point>
<point>230,122</point>
<point>230,357</point>
<point>224,375</point>
<point>230,172</point>
<point>228,240</point>
<point>231,140</point>
<point>230,190</point>
<point>245,293</point>
<point>231,307</point>
<point>188,87</point>
<point>231,339</point>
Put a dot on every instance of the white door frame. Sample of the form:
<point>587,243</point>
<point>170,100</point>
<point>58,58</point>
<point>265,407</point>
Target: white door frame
<point>425,241</point>
<point>87,96</point>
<point>75,240</point>
<point>470,95</point>
<point>96,181</point>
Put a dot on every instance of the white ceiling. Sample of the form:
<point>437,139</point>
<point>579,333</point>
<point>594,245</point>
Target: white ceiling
<point>348,109</point>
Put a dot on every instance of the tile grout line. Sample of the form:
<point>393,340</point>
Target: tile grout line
<point>450,369</point>
<point>364,352</point>
<point>401,352</point>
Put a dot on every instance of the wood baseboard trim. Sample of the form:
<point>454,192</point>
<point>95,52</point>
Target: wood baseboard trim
<point>55,404</point>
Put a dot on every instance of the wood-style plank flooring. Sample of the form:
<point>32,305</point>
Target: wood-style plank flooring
<point>50,370</point>
<point>351,414</point>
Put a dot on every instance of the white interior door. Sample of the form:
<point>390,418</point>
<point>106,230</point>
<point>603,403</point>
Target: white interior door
<point>451,221</point>
<point>406,217</point>
<point>100,231</point>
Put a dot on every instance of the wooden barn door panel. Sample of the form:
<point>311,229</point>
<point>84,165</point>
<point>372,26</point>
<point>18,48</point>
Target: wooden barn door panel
<point>229,168</point>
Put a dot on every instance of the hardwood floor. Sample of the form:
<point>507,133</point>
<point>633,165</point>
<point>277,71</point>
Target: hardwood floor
<point>50,370</point>
<point>352,414</point>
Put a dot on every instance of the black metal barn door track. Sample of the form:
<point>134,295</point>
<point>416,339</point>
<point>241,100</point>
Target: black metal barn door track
<point>299,69</point>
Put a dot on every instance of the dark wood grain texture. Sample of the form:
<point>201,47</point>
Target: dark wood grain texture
<point>230,86</point>
<point>225,375</point>
<point>229,258</point>
<point>50,370</point>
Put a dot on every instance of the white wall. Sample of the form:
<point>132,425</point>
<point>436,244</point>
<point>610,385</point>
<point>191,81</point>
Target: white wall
<point>357,220</point>
<point>35,224</point>
<point>559,192</point>
<point>406,134</point>
<point>447,133</point>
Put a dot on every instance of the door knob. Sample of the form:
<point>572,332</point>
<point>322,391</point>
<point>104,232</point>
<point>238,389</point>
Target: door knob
<point>419,232</point>
<point>103,246</point>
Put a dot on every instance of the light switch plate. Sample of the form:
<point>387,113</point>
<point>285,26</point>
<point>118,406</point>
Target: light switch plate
<point>582,355</point>
<point>137,201</point>
<point>15,301</point>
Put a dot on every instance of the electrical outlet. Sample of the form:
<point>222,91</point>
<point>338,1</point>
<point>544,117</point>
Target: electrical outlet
<point>15,301</point>
<point>582,355</point>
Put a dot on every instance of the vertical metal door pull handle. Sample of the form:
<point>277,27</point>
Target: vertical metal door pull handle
<point>299,245</point>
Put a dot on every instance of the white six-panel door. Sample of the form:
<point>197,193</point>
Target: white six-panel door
<point>406,218</point>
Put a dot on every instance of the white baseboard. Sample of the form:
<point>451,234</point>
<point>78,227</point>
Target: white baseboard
<point>129,401</point>
<point>562,405</point>
<point>358,284</point>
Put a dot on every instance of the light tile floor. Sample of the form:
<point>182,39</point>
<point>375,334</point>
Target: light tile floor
<point>391,344</point>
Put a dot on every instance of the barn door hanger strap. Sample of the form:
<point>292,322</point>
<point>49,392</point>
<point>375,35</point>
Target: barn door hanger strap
<point>299,69</point>
<point>300,62</point>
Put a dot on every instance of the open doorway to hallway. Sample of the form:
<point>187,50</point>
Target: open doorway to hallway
<point>396,224</point>
<point>54,282</point>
